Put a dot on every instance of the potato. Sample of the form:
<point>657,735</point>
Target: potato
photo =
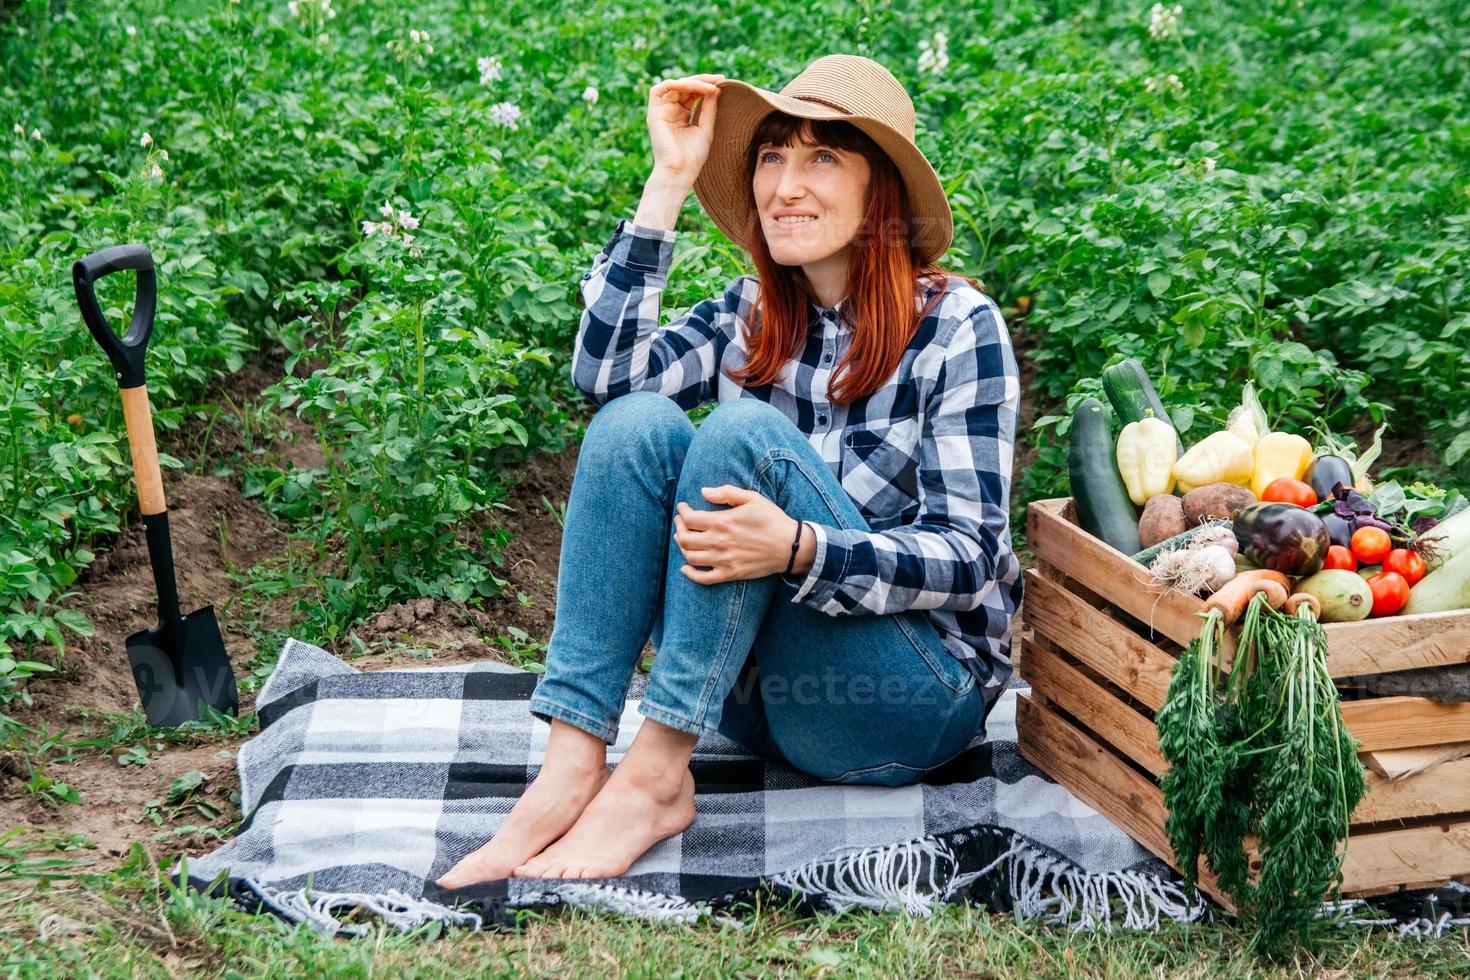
<point>1217,501</point>
<point>1163,517</point>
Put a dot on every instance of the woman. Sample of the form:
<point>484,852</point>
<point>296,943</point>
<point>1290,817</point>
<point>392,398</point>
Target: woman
<point>839,586</point>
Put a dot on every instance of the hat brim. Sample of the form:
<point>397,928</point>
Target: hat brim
<point>723,193</point>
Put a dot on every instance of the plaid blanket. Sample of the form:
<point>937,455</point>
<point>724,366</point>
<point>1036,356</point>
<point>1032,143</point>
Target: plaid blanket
<point>362,788</point>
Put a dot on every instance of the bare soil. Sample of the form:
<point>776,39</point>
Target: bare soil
<point>218,534</point>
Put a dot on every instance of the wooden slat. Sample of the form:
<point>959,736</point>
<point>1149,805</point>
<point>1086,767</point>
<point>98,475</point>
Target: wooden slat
<point>1098,640</point>
<point>1125,729</point>
<point>1369,647</point>
<point>1413,855</point>
<point>1445,789</point>
<point>1108,572</point>
<point>1400,763</point>
<point>1377,646</point>
<point>1101,780</point>
<point>1401,723</point>
<point>1374,861</point>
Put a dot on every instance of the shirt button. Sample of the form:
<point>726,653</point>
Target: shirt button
<point>826,357</point>
<point>821,420</point>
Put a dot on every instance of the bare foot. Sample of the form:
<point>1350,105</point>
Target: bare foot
<point>636,809</point>
<point>550,805</point>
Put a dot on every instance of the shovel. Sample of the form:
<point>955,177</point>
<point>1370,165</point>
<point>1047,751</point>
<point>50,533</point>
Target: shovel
<point>180,663</point>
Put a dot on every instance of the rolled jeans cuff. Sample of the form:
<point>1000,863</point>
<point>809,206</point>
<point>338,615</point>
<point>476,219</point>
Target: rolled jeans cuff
<point>674,720</point>
<point>547,710</point>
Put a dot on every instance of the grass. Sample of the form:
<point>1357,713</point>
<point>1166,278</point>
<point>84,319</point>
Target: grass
<point>133,922</point>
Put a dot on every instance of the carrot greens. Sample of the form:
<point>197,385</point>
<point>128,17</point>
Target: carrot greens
<point>1261,755</point>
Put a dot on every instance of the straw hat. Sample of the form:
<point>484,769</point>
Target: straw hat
<point>839,86</point>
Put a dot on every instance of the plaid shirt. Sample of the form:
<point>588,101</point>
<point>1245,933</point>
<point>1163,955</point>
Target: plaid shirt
<point>926,458</point>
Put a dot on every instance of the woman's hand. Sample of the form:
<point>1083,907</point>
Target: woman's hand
<point>751,539</point>
<point>679,146</point>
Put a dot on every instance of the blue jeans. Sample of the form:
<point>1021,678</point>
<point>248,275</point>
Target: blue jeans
<point>855,698</point>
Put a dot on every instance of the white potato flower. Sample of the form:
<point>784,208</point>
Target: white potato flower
<point>1163,21</point>
<point>146,140</point>
<point>490,70</point>
<point>589,95</point>
<point>18,129</point>
<point>506,114</point>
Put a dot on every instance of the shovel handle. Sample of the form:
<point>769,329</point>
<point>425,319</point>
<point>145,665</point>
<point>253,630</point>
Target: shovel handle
<point>138,417</point>
<point>125,352</point>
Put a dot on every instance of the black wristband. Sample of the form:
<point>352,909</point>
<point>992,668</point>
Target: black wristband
<point>795,545</point>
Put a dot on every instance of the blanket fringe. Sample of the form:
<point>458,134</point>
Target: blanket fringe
<point>397,909</point>
<point>905,875</point>
<point>919,874</point>
<point>653,906</point>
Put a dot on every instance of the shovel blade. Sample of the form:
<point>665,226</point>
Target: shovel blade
<point>171,697</point>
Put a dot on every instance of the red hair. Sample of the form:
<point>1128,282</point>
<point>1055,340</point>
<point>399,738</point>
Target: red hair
<point>883,273</point>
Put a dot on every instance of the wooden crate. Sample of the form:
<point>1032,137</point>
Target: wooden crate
<point>1102,641</point>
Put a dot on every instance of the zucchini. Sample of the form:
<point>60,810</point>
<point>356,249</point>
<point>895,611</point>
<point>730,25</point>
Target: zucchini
<point>1133,396</point>
<point>1101,499</point>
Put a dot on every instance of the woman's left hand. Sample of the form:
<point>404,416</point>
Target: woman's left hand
<point>751,539</point>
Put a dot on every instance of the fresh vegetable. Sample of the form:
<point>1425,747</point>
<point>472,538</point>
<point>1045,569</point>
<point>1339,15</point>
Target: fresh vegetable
<point>1451,537</point>
<point>1205,568</point>
<point>1365,572</point>
<point>1390,593</point>
<point>1266,757</point>
<point>1103,507</point>
<point>1406,563</point>
<point>1445,588</point>
<point>1133,397</point>
<point>1217,458</point>
<point>1326,472</point>
<point>1163,518</point>
<point>1278,456</point>
<point>1282,537</point>
<point>1146,453</point>
<point>1304,777</point>
<point>1341,558</point>
<point>1204,533</point>
<point>1299,600</point>
<point>1339,528</point>
<point>1347,450</point>
<point>1342,596</point>
<point>1371,545</point>
<point>1232,598</point>
<point>1248,419</point>
<point>1288,491</point>
<point>1215,501</point>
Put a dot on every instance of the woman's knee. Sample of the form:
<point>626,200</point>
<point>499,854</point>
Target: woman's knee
<point>743,423</point>
<point>639,419</point>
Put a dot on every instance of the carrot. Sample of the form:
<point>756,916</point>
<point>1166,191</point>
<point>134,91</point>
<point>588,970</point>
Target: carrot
<point>1235,595</point>
<point>1302,599</point>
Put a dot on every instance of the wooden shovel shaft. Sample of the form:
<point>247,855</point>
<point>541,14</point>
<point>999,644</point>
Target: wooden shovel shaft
<point>139,420</point>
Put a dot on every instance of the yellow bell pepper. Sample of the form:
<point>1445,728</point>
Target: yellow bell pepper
<point>1222,457</point>
<point>1146,452</point>
<point>1279,456</point>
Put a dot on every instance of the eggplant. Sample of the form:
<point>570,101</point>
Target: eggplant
<point>1339,528</point>
<point>1326,472</point>
<point>1282,537</point>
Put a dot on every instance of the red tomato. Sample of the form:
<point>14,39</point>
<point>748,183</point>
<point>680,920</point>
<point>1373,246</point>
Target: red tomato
<point>1289,491</point>
<point>1340,557</point>
<point>1390,593</point>
<point>1371,545</point>
<point>1407,564</point>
